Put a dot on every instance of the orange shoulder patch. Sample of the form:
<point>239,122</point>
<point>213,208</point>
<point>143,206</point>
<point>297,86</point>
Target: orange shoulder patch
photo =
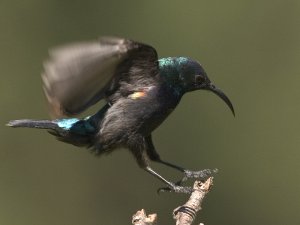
<point>137,94</point>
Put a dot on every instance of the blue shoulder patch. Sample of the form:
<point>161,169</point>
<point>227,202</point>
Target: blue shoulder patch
<point>74,125</point>
<point>66,123</point>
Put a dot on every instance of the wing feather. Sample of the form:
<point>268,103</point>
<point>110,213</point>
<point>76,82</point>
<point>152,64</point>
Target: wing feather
<point>78,75</point>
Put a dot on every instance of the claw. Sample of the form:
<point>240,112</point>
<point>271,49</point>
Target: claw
<point>164,189</point>
<point>176,188</point>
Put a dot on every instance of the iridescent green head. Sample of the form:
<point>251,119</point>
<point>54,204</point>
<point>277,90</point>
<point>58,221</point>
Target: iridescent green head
<point>185,74</point>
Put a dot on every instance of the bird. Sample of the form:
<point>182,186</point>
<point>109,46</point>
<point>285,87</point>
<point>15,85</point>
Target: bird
<point>139,91</point>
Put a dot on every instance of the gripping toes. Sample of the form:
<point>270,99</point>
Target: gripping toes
<point>201,174</point>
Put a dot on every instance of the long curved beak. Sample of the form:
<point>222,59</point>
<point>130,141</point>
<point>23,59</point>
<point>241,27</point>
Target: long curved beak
<point>221,94</point>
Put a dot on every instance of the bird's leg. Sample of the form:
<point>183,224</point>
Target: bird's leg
<point>154,156</point>
<point>200,174</point>
<point>137,147</point>
<point>171,186</point>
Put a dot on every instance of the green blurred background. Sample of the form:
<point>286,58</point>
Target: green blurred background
<point>249,48</point>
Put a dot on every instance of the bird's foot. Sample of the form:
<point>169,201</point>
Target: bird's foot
<point>176,188</point>
<point>201,174</point>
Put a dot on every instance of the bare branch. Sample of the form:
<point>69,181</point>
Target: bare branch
<point>185,214</point>
<point>140,218</point>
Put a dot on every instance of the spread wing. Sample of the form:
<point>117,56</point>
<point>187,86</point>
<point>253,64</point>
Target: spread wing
<point>78,75</point>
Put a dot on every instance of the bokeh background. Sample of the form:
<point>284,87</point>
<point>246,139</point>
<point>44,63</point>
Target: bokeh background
<point>249,48</point>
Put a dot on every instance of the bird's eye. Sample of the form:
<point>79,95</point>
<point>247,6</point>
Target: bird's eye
<point>199,79</point>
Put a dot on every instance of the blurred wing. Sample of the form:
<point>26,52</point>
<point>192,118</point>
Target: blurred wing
<point>78,75</point>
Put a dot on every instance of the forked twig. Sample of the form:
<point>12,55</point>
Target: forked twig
<point>184,214</point>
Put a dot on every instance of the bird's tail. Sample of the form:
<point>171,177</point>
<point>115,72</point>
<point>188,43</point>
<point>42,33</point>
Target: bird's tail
<point>74,131</point>
<point>40,124</point>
